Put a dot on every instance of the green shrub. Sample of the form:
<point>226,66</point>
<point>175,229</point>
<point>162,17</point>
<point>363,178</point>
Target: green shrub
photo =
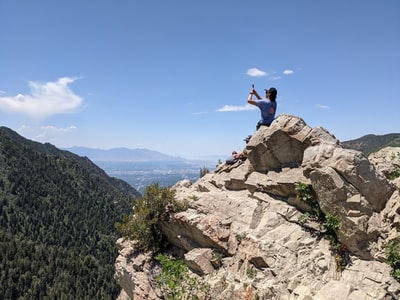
<point>204,171</point>
<point>330,223</point>
<point>395,174</point>
<point>142,226</point>
<point>217,259</point>
<point>392,251</point>
<point>241,236</point>
<point>305,193</point>
<point>251,272</point>
<point>176,282</point>
<point>194,198</point>
<point>395,155</point>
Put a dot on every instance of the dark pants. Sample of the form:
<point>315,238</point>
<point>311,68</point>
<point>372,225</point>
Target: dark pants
<point>261,123</point>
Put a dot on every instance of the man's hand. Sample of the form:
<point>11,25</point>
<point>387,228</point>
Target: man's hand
<point>254,92</point>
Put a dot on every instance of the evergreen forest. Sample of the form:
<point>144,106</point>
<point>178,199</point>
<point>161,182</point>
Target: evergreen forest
<point>57,216</point>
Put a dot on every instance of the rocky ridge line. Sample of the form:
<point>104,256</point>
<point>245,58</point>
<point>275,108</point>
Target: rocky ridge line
<point>249,212</point>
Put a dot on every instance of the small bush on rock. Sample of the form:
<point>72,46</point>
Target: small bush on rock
<point>305,193</point>
<point>395,174</point>
<point>392,250</point>
<point>142,225</point>
<point>217,259</point>
<point>329,223</point>
<point>176,282</point>
<point>204,171</point>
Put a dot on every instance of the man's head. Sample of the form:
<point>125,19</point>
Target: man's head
<point>247,139</point>
<point>271,93</point>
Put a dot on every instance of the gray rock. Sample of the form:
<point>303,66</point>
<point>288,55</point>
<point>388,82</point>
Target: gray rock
<point>249,212</point>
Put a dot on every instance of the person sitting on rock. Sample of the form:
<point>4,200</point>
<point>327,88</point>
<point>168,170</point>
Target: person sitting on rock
<point>267,106</point>
<point>235,157</point>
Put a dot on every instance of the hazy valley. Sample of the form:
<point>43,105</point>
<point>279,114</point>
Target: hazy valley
<point>142,167</point>
<point>142,174</point>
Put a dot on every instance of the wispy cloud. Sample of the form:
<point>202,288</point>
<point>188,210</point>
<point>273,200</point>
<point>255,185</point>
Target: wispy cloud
<point>45,133</point>
<point>200,113</point>
<point>321,106</point>
<point>275,77</point>
<point>288,72</point>
<point>236,108</point>
<point>254,72</point>
<point>46,99</point>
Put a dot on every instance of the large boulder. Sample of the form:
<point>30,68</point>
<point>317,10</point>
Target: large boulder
<point>283,143</point>
<point>249,213</point>
<point>348,185</point>
<point>387,162</point>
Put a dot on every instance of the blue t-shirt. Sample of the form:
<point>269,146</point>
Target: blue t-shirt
<point>265,105</point>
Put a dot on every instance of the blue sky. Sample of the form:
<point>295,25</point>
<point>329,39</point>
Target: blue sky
<point>173,76</point>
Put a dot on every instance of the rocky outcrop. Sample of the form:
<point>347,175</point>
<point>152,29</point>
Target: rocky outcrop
<point>387,161</point>
<point>248,212</point>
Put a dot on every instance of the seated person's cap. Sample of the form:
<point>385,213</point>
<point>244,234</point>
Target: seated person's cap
<point>247,139</point>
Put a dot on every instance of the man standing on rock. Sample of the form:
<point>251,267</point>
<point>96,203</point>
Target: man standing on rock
<point>267,105</point>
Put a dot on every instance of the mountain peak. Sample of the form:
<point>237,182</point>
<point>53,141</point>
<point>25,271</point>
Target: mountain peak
<point>122,154</point>
<point>249,214</point>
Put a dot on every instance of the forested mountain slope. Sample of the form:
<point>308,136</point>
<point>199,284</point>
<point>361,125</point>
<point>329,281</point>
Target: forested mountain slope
<point>371,143</point>
<point>57,216</point>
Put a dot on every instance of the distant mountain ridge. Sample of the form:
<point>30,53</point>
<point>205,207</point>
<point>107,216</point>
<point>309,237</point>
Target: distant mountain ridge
<point>371,143</point>
<point>366,144</point>
<point>123,154</point>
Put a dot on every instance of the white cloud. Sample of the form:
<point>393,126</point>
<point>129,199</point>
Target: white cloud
<point>254,72</point>
<point>288,72</point>
<point>322,106</point>
<point>275,78</point>
<point>200,113</point>
<point>46,99</point>
<point>236,108</point>
<point>52,131</point>
<point>45,133</point>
